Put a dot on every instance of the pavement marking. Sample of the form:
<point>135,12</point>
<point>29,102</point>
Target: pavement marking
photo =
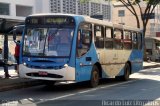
<point>63,96</point>
<point>86,91</point>
<point>81,92</point>
<point>107,86</point>
<point>93,89</point>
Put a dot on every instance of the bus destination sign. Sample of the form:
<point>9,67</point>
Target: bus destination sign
<point>55,20</point>
<point>49,20</point>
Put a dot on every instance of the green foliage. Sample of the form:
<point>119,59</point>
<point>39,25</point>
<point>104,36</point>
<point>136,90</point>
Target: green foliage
<point>137,1</point>
<point>84,1</point>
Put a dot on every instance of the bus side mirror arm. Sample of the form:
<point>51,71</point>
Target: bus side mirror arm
<point>15,36</point>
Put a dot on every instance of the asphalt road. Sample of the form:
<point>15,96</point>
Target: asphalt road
<point>142,89</point>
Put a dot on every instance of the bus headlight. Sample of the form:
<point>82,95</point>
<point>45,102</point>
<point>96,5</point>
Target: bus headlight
<point>24,64</point>
<point>66,65</point>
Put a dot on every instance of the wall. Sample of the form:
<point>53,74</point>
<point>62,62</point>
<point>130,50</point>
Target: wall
<point>130,20</point>
<point>12,5</point>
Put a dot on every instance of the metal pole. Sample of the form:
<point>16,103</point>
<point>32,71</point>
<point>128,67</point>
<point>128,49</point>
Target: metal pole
<point>5,54</point>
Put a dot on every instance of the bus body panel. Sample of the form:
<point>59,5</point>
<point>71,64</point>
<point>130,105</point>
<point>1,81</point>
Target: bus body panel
<point>113,61</point>
<point>64,74</point>
<point>137,60</point>
<point>84,66</point>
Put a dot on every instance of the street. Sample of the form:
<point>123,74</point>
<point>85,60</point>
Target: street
<point>143,86</point>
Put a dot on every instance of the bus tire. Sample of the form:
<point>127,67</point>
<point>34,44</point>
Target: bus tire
<point>94,80</point>
<point>127,70</point>
<point>126,74</point>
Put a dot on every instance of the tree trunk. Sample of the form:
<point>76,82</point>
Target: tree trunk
<point>138,23</point>
<point>144,52</point>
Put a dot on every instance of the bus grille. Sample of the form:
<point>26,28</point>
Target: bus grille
<point>49,75</point>
<point>48,67</point>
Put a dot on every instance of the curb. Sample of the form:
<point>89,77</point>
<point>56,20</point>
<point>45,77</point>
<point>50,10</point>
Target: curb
<point>18,85</point>
<point>153,66</point>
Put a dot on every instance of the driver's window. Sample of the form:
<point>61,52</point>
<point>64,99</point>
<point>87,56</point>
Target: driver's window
<point>84,38</point>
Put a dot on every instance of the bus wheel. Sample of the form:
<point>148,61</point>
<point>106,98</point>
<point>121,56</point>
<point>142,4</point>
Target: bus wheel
<point>126,74</point>
<point>94,81</point>
<point>127,70</point>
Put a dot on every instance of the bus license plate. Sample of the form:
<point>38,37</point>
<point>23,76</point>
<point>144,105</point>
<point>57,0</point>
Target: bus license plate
<point>42,73</point>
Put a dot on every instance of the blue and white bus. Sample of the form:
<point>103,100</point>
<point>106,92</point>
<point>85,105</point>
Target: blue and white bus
<point>64,47</point>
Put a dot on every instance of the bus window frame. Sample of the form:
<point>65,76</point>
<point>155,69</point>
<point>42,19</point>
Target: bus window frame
<point>134,47</point>
<point>110,38</point>
<point>130,36</point>
<point>102,36</point>
<point>118,40</point>
<point>80,30</point>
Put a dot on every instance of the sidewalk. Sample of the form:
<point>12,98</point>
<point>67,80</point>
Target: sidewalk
<point>150,65</point>
<point>15,82</point>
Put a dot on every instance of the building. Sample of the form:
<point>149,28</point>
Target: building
<point>75,7</point>
<point>123,16</point>
<point>19,9</point>
<point>16,9</point>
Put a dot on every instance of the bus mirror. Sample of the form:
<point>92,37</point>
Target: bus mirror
<point>17,30</point>
<point>14,35</point>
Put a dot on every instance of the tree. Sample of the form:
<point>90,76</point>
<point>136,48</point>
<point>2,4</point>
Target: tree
<point>84,1</point>
<point>145,15</point>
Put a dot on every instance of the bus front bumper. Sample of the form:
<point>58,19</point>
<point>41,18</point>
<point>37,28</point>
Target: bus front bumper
<point>65,74</point>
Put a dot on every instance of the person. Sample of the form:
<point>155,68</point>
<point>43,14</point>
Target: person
<point>2,63</point>
<point>1,57</point>
<point>0,51</point>
<point>79,40</point>
<point>16,55</point>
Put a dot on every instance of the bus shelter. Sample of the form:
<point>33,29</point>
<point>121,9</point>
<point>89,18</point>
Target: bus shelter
<point>6,42</point>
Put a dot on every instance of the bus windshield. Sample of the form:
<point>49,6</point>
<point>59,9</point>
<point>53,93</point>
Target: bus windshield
<point>48,41</point>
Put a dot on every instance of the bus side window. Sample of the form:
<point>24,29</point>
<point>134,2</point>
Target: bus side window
<point>127,40</point>
<point>108,38</point>
<point>135,40</point>
<point>99,36</point>
<point>118,43</point>
<point>139,41</point>
<point>84,39</point>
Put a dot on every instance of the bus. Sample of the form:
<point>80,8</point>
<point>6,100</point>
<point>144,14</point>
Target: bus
<point>152,48</point>
<point>76,48</point>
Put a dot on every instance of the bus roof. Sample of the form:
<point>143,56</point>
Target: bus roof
<point>91,20</point>
<point>51,14</point>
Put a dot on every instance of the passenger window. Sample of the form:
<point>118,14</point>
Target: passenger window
<point>140,41</point>
<point>127,40</point>
<point>84,39</point>
<point>108,38</point>
<point>135,40</point>
<point>99,36</point>
<point>118,43</point>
